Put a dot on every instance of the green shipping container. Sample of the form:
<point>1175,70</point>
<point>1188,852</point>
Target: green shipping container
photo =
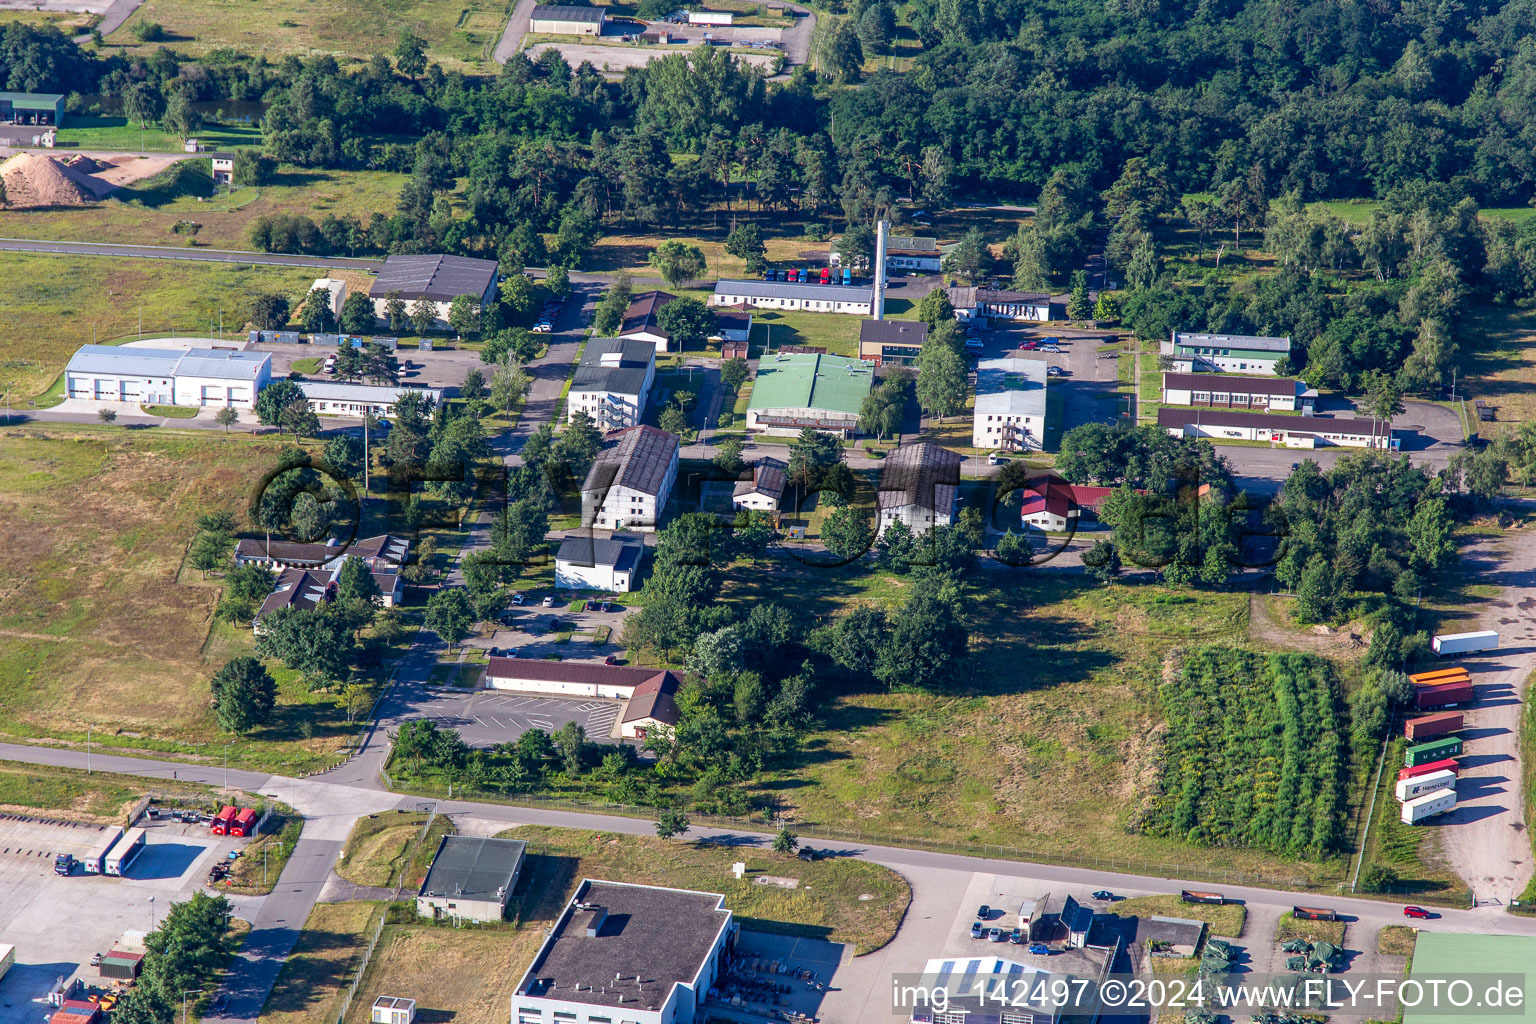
<point>1435,750</point>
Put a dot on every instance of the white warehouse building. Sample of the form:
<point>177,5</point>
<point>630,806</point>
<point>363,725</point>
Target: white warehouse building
<point>858,300</point>
<point>195,377</point>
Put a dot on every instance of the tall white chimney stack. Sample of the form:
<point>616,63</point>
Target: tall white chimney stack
<point>879,298</point>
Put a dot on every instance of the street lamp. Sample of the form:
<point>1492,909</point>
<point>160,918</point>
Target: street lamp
<point>184,995</point>
<point>151,913</point>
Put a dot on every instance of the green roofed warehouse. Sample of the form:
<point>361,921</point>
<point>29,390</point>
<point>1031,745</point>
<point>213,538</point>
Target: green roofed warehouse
<point>794,390</point>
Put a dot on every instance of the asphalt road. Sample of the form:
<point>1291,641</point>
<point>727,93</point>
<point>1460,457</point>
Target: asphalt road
<point>157,252</point>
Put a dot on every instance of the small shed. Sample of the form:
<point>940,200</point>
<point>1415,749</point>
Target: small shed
<point>393,1010</point>
<point>121,965</point>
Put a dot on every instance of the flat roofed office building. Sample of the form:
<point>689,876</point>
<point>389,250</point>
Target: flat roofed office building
<point>640,954</point>
<point>200,377</point>
<point>1224,353</point>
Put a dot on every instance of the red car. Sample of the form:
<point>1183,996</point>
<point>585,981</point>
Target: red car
<point>610,660</point>
<point>1029,346</point>
<point>1416,912</point>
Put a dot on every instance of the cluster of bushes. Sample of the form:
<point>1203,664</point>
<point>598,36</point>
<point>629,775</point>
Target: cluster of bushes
<point>1256,754</point>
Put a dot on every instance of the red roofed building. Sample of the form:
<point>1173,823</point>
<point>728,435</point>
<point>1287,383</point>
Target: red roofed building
<point>650,692</point>
<point>1050,504</point>
<point>76,1011</point>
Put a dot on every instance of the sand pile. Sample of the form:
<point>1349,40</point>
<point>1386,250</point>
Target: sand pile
<point>32,179</point>
<point>84,164</point>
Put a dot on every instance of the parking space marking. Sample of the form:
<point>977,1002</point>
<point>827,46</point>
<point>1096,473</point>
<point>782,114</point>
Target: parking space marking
<point>600,720</point>
<point>589,706</point>
<point>541,723</point>
<point>479,719</point>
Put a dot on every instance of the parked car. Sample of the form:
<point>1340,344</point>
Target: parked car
<point>554,623</point>
<point>518,598</point>
<point>996,935</point>
<point>548,602</point>
<point>1103,894</point>
<point>984,912</point>
<point>976,930</point>
<point>1053,371</point>
<point>995,459</point>
<point>1028,346</point>
<point>1418,913</point>
<point>96,959</point>
<point>1040,949</point>
<point>612,659</point>
<point>1017,937</point>
<point>810,853</point>
<point>494,652</point>
<point>543,327</point>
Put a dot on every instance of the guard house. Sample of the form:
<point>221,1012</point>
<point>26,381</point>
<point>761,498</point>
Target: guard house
<point>39,108</point>
<point>471,879</point>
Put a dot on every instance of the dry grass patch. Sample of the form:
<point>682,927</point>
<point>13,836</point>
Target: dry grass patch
<point>1289,928</point>
<point>378,844</point>
<point>309,988</point>
<point>826,905</point>
<point>462,975</point>
<point>95,630</point>
<point>1226,920</point>
<point>1396,940</point>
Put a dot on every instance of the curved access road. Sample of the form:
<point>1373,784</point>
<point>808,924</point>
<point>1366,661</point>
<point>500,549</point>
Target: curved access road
<point>170,252</point>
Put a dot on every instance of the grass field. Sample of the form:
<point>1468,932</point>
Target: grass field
<point>1226,920</point>
<point>98,796</point>
<point>826,905</point>
<point>1045,744</point>
<point>1500,366</point>
<point>174,412</point>
<point>145,213</point>
<point>1396,940</point>
<point>837,333</point>
<point>377,846</point>
<point>459,34</point>
<point>86,298</point>
<point>411,958</point>
<point>322,961</point>
<point>95,629</point>
<point>256,871</point>
<point>119,135</point>
<point>1288,928</point>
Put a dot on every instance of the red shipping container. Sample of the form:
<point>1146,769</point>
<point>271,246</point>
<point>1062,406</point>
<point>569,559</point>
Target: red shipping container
<point>1442,696</point>
<point>222,820</point>
<point>1448,765</point>
<point>1417,730</point>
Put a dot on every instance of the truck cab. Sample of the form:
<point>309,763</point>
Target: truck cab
<point>64,864</point>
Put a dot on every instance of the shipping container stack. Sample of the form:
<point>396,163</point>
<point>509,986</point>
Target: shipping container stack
<point>1426,784</point>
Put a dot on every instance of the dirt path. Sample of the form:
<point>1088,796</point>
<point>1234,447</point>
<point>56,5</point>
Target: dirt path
<point>1485,838</point>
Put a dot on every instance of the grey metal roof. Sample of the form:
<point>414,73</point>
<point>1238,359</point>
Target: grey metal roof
<point>552,12</point>
<point>148,362</point>
<point>1248,342</point>
<point>892,332</point>
<point>1010,387</point>
<point>621,551</point>
<point>786,290</point>
<point>473,867</point>
<point>912,243</point>
<point>222,363</point>
<point>627,378</point>
<point>971,297</point>
<point>639,461</point>
<point>921,474</point>
<point>651,938</point>
<point>435,277</point>
<point>1176,418</point>
<point>374,394</point>
<point>768,478</point>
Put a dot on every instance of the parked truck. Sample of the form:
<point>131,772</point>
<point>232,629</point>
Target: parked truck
<point>1195,896</point>
<point>125,851</point>
<point>1444,675</point>
<point>1446,696</point>
<point>95,862</point>
<point>1417,730</point>
<point>7,957</point>
<point>1434,750</point>
<point>244,823</point>
<point>1314,914</point>
<point>221,821</point>
<point>1464,643</point>
<point>1428,805</point>
<point>1450,764</point>
<point>1409,789</point>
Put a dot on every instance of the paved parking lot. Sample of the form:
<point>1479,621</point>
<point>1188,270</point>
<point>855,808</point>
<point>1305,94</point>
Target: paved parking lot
<point>57,923</point>
<point>488,717</point>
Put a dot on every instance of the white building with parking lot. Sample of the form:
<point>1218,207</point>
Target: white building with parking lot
<point>338,399</point>
<point>587,562</point>
<point>196,377</point>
